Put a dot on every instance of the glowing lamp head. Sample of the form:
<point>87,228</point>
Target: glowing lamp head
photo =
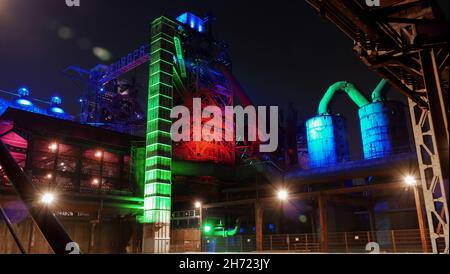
<point>53,147</point>
<point>24,102</point>
<point>48,198</point>
<point>198,204</point>
<point>98,154</point>
<point>207,228</point>
<point>282,195</point>
<point>410,181</point>
<point>57,110</point>
<point>95,182</point>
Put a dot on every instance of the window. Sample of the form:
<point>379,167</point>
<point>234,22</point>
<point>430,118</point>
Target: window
<point>67,158</point>
<point>44,154</point>
<point>91,163</point>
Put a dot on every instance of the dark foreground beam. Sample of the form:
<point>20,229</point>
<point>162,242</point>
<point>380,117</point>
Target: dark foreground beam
<point>51,228</point>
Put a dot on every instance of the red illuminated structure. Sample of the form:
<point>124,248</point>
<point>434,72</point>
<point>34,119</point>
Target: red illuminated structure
<point>212,93</point>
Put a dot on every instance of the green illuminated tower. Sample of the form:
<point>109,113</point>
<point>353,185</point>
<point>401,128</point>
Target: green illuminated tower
<point>158,160</point>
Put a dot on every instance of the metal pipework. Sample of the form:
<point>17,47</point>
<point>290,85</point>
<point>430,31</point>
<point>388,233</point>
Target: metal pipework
<point>225,233</point>
<point>352,91</point>
<point>219,231</point>
<point>51,228</point>
<point>379,94</point>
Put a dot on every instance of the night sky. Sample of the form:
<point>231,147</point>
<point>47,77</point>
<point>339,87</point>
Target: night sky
<point>282,51</point>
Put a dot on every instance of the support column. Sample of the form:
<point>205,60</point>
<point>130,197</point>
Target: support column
<point>420,219</point>
<point>323,223</point>
<point>259,213</point>
<point>372,221</point>
<point>431,138</point>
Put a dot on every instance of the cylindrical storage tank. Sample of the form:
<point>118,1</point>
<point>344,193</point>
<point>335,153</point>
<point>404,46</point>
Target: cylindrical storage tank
<point>383,129</point>
<point>327,141</point>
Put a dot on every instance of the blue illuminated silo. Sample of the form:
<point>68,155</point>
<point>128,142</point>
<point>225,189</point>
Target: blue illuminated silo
<point>383,129</point>
<point>327,140</point>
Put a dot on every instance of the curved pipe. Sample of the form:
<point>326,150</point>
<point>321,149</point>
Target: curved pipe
<point>379,94</point>
<point>226,233</point>
<point>352,91</point>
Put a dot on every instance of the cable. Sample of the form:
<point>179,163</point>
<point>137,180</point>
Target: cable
<point>34,99</point>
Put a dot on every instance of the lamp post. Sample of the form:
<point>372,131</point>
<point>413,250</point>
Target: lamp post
<point>283,197</point>
<point>199,206</point>
<point>410,181</point>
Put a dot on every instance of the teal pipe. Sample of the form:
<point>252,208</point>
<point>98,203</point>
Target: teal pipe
<point>352,91</point>
<point>379,94</point>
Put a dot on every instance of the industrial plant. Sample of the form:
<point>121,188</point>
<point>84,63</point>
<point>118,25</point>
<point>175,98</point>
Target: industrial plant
<point>110,179</point>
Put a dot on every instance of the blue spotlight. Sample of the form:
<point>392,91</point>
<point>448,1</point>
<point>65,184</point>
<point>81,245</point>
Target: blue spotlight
<point>24,102</point>
<point>57,110</point>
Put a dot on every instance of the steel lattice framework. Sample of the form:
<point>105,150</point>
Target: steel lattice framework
<point>406,43</point>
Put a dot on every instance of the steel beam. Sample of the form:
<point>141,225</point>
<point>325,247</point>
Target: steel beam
<point>259,215</point>
<point>323,222</point>
<point>420,220</point>
<point>431,138</point>
<point>12,230</point>
<point>308,195</point>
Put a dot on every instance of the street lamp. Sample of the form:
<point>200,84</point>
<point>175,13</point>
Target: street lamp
<point>198,205</point>
<point>95,182</point>
<point>53,147</point>
<point>48,198</point>
<point>98,154</point>
<point>282,195</point>
<point>411,181</point>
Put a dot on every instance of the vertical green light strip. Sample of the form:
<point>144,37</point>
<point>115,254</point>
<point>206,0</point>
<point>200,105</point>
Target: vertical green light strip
<point>158,160</point>
<point>180,57</point>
